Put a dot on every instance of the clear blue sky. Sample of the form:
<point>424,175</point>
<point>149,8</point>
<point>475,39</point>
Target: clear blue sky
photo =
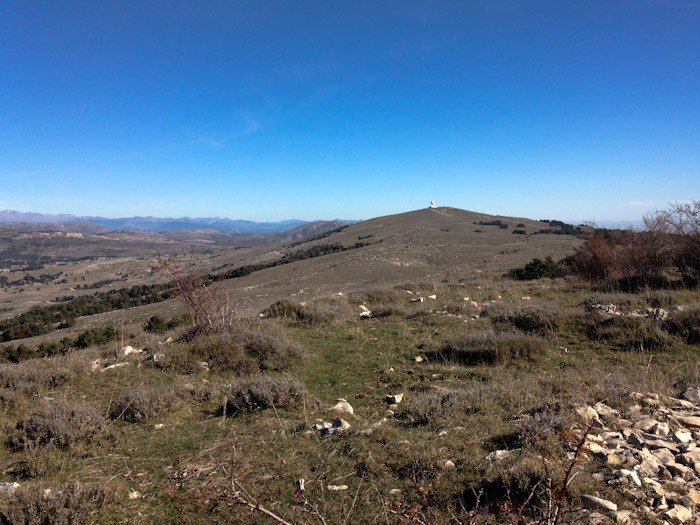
<point>269,110</point>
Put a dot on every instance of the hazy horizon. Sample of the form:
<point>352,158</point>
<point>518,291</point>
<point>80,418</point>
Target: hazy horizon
<point>272,111</point>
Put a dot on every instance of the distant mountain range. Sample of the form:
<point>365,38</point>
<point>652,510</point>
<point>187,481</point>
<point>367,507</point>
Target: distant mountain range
<point>149,224</point>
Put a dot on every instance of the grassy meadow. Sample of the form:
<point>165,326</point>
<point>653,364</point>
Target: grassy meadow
<point>221,425</point>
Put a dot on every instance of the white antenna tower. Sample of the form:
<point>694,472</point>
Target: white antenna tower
<point>433,205</point>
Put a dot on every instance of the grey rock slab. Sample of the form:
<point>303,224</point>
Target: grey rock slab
<point>689,421</point>
<point>652,441</point>
<point>678,514</point>
<point>664,456</point>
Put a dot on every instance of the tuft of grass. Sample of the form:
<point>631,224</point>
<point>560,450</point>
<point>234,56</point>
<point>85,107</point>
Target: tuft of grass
<point>487,347</point>
<point>259,393</point>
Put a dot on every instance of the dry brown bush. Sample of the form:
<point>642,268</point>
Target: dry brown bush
<point>263,392</point>
<point>61,425</point>
<point>73,504</point>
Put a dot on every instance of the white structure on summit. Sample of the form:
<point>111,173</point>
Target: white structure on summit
<point>433,205</point>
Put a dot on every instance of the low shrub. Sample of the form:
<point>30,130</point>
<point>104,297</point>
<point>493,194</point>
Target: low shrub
<point>141,403</point>
<point>311,314</point>
<point>61,425</point>
<point>462,308</point>
<point>539,320</point>
<point>388,310</point>
<point>491,348</point>
<point>30,378</point>
<point>70,504</point>
<point>430,407</point>
<point>535,269</point>
<point>374,297</point>
<point>423,317</point>
<point>685,324</point>
<point>156,324</point>
<point>245,352</point>
<point>263,392</point>
<point>625,332</point>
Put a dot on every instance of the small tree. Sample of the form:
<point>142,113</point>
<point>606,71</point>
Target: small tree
<point>156,324</point>
<point>206,308</point>
<point>678,228</point>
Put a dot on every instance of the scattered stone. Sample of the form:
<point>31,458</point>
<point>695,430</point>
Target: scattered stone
<point>651,441</point>
<point>7,488</point>
<point>661,429</point>
<point>127,350</point>
<point>449,465</point>
<point>118,365</point>
<point>679,514</point>
<point>419,359</point>
<point>594,503</point>
<point>632,475</point>
<point>158,426</point>
<point>646,424</point>
<point>417,300</point>
<point>135,494</point>
<point>498,455</point>
<point>603,308</point>
<point>166,342</point>
<point>365,314</point>
<point>393,399</point>
<point>664,456</point>
<point>342,407</point>
<point>623,517</point>
<point>588,414</point>
<point>605,411</point>
<point>690,421</point>
<point>337,487</point>
<point>433,297</point>
<point>683,437</point>
<point>395,492</point>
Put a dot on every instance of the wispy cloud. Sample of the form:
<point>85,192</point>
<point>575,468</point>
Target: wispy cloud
<point>204,141</point>
<point>251,125</point>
